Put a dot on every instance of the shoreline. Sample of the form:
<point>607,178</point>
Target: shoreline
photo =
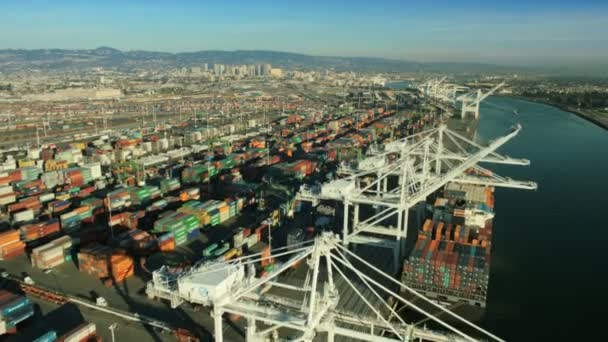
<point>601,123</point>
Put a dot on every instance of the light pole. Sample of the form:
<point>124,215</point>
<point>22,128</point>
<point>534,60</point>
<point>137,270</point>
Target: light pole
<point>112,328</point>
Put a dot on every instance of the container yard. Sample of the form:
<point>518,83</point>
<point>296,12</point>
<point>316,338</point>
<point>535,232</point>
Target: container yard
<point>98,219</point>
<point>77,211</point>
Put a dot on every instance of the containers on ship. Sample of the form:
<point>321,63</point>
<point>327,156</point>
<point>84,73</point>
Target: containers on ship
<point>450,259</point>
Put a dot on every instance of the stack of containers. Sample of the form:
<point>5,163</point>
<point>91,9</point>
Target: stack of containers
<point>74,177</point>
<point>9,177</point>
<point>11,245</point>
<point>7,195</point>
<point>213,212</point>
<point>198,173</point>
<point>30,173</point>
<point>118,199</point>
<point>143,194</point>
<point>94,170</point>
<point>71,220</point>
<point>86,191</point>
<point>241,236</point>
<point>58,206</point>
<point>166,242</point>
<point>168,185</point>
<point>55,165</point>
<point>443,261</point>
<point>83,333</point>
<point>52,254</point>
<point>224,211</point>
<point>32,203</point>
<point>43,198</point>
<point>190,193</point>
<point>210,250</point>
<point>47,154</point>
<point>181,225</point>
<point>92,202</point>
<point>158,205</point>
<point>31,232</point>
<point>14,309</point>
<point>25,215</point>
<point>136,240</point>
<point>29,188</point>
<point>100,261</point>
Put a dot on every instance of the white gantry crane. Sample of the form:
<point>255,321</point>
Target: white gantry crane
<point>439,90</point>
<point>421,165</point>
<point>280,307</point>
<point>471,101</point>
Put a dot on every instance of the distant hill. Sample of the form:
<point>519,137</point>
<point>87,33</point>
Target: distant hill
<point>58,59</point>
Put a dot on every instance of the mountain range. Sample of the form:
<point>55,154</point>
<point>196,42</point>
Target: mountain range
<point>61,59</point>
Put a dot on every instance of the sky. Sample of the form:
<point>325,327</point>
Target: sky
<point>507,32</point>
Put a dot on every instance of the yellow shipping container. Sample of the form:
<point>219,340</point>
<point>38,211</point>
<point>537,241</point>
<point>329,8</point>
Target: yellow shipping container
<point>62,197</point>
<point>25,162</point>
<point>233,253</point>
<point>78,145</point>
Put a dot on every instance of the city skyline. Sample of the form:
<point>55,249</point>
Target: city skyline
<point>515,33</point>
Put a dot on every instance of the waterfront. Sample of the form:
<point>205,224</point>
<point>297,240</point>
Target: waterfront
<point>546,276</point>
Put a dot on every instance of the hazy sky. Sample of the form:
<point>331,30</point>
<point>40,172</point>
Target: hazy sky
<point>505,32</point>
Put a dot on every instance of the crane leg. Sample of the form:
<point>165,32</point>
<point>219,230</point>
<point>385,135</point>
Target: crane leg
<point>217,319</point>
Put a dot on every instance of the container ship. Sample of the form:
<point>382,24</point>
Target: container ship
<point>450,261</point>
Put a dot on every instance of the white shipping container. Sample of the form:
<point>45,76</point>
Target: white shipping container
<point>252,240</point>
<point>6,189</point>
<point>8,199</point>
<point>33,153</point>
<point>51,263</point>
<point>147,146</point>
<point>46,197</point>
<point>238,239</point>
<point>100,184</point>
<point>67,215</point>
<point>95,169</point>
<point>23,216</point>
<point>50,253</point>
